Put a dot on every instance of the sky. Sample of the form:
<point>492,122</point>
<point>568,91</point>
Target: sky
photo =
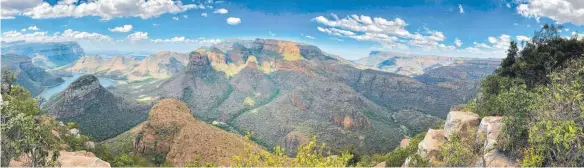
<point>350,29</point>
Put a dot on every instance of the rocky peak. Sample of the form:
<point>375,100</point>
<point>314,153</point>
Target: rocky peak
<point>86,81</point>
<point>311,52</point>
<point>199,63</point>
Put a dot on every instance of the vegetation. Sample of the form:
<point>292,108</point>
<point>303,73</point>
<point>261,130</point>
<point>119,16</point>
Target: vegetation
<point>23,131</point>
<point>539,91</point>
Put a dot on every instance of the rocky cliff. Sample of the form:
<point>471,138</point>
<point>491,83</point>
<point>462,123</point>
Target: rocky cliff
<point>117,67</point>
<point>29,76</point>
<point>159,65</point>
<point>47,55</point>
<point>482,134</point>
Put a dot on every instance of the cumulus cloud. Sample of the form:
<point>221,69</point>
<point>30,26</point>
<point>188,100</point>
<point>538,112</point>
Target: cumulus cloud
<point>561,11</point>
<point>12,8</point>
<point>182,39</point>
<point>175,18</point>
<point>67,35</point>
<point>32,28</point>
<point>138,36</point>
<point>508,5</point>
<point>204,14</point>
<point>457,42</point>
<point>221,11</point>
<point>105,9</point>
<point>233,21</point>
<point>121,29</point>
<point>522,38</point>
<point>460,9</point>
<point>307,36</point>
<point>186,16</point>
<point>389,33</point>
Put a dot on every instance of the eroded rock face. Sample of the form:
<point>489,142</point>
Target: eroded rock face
<point>461,123</point>
<point>199,63</point>
<point>489,131</point>
<point>430,147</point>
<point>495,159</point>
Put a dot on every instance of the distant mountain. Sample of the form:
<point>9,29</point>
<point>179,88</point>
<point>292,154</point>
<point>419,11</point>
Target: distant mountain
<point>98,112</point>
<point>285,92</point>
<point>46,55</point>
<point>407,64</point>
<point>29,76</point>
<point>116,67</point>
<point>159,65</point>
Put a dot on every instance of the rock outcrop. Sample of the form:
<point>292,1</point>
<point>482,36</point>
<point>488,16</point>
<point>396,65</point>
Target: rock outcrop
<point>461,123</point>
<point>159,65</point>
<point>466,126</point>
<point>66,159</point>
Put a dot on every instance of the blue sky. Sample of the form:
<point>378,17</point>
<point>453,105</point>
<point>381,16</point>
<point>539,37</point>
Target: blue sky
<point>351,29</point>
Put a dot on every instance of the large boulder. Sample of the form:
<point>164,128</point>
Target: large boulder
<point>429,148</point>
<point>489,131</point>
<point>80,159</point>
<point>461,123</point>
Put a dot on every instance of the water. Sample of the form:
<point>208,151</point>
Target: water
<point>49,92</point>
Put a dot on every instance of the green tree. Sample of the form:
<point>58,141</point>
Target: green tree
<point>507,63</point>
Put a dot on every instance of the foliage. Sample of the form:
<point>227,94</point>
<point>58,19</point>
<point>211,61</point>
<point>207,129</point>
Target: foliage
<point>75,142</point>
<point>398,156</point>
<point>127,160</point>
<point>199,163</point>
<point>458,152</point>
<point>309,155</point>
<point>539,91</point>
<point>23,131</point>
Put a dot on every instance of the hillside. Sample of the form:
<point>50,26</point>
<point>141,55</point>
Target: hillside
<point>172,131</point>
<point>29,76</point>
<point>98,112</point>
<point>285,92</point>
<point>116,67</point>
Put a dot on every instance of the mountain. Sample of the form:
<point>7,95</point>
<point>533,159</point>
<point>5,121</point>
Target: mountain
<point>407,64</point>
<point>286,92</point>
<point>159,65</point>
<point>98,112</point>
<point>116,67</point>
<point>46,55</point>
<point>29,76</point>
<point>173,131</point>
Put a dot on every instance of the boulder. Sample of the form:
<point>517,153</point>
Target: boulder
<point>80,159</point>
<point>489,131</point>
<point>429,148</point>
<point>381,164</point>
<point>404,143</point>
<point>89,145</point>
<point>495,159</point>
<point>74,131</point>
<point>56,134</point>
<point>461,123</point>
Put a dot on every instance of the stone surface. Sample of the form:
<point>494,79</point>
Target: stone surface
<point>495,159</point>
<point>461,123</point>
<point>90,145</point>
<point>488,132</point>
<point>80,159</point>
<point>382,164</point>
<point>429,148</point>
<point>404,143</point>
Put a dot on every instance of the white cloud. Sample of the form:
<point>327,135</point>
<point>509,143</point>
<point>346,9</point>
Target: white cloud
<point>182,39</point>
<point>460,9</point>
<point>221,11</point>
<point>204,14</point>
<point>33,28</point>
<point>388,33</point>
<point>233,21</point>
<point>508,5</point>
<point>561,11</point>
<point>108,9</point>
<point>121,29</point>
<point>154,24</point>
<point>186,16</point>
<point>577,34</point>
<point>138,36</point>
<point>457,42</point>
<point>272,34</point>
<point>307,36</point>
<point>23,30</point>
<point>67,35</point>
<point>12,8</point>
<point>522,38</point>
<point>175,18</point>
<point>515,24</point>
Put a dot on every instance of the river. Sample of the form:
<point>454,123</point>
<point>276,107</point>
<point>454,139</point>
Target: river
<point>49,92</point>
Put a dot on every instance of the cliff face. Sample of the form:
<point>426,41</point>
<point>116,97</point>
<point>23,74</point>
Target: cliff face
<point>162,64</point>
<point>47,55</point>
<point>481,133</point>
<point>116,67</point>
<point>29,76</point>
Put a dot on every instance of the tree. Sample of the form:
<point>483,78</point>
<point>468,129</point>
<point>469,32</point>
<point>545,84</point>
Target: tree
<point>507,63</point>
